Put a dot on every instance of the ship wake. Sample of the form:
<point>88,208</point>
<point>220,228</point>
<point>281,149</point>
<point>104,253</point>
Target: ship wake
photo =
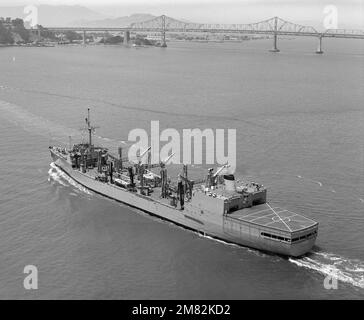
<point>338,267</point>
<point>349,271</point>
<point>41,126</point>
<point>328,264</point>
<point>57,175</point>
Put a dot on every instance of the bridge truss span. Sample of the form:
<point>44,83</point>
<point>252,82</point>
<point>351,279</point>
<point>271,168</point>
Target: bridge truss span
<point>344,33</point>
<point>269,26</point>
<point>273,27</point>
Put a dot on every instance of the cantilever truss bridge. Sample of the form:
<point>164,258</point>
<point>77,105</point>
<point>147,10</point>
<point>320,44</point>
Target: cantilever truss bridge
<point>274,26</point>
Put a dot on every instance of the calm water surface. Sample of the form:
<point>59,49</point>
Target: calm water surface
<point>299,119</point>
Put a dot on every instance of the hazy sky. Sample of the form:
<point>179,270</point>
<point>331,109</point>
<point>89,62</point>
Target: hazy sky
<point>350,12</point>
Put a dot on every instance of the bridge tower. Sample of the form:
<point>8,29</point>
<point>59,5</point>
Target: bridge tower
<point>126,37</point>
<point>163,33</point>
<point>319,48</point>
<point>275,36</point>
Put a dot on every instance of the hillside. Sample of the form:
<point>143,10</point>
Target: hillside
<point>54,15</point>
<point>113,22</point>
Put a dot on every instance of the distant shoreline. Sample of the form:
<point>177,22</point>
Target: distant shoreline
<point>26,45</point>
<point>76,44</point>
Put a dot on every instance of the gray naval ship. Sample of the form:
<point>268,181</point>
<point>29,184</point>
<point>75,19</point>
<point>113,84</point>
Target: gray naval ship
<point>215,205</point>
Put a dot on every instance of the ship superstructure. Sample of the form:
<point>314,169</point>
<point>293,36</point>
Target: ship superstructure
<point>215,205</point>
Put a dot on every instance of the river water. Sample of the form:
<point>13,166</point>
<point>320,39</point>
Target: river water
<point>299,120</point>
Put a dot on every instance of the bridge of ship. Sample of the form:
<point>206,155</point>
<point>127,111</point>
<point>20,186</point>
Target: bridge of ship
<point>274,26</point>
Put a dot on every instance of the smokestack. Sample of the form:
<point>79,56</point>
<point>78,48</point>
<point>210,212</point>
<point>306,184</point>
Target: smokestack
<point>229,181</point>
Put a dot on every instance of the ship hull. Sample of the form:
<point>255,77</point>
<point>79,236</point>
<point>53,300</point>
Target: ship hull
<point>207,224</point>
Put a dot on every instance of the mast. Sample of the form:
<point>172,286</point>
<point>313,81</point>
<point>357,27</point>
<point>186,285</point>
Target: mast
<point>69,143</point>
<point>90,128</point>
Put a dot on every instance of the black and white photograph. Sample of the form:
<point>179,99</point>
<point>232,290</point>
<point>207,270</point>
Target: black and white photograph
<point>181,150</point>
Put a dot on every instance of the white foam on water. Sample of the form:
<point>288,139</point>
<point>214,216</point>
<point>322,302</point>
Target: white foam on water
<point>217,240</point>
<point>58,175</point>
<point>329,264</point>
<point>234,245</point>
<point>319,183</point>
<point>4,87</point>
<point>345,270</point>
<point>53,175</point>
<point>261,253</point>
<point>314,181</point>
<point>355,270</point>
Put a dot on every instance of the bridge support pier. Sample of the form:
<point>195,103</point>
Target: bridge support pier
<point>163,33</point>
<point>163,42</point>
<point>84,38</point>
<point>38,35</point>
<point>126,37</point>
<point>275,49</point>
<point>319,48</point>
